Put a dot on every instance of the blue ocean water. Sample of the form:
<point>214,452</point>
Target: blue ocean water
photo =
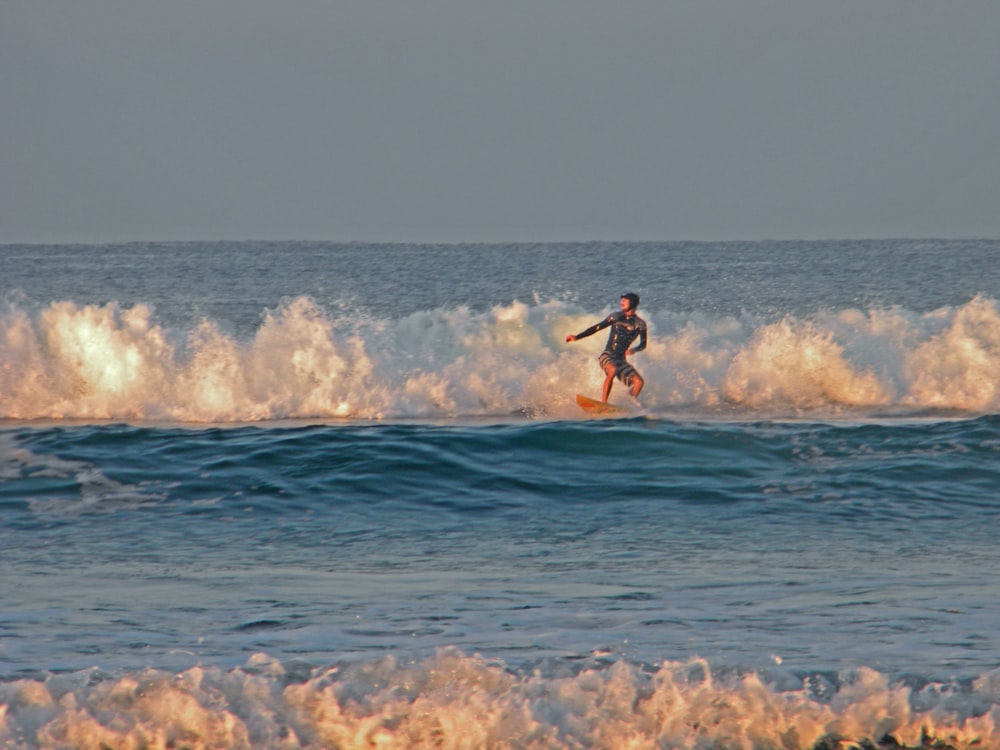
<point>325,495</point>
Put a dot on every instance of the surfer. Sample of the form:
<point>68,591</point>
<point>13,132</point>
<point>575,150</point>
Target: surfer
<point>626,326</point>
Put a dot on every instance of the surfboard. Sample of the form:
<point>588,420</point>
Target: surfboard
<point>599,407</point>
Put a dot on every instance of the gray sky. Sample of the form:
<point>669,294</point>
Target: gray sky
<point>452,121</point>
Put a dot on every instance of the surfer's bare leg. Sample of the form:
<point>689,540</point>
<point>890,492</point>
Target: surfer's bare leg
<point>637,384</point>
<point>609,380</point>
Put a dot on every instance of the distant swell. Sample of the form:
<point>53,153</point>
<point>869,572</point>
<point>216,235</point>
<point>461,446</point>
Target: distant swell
<point>109,362</point>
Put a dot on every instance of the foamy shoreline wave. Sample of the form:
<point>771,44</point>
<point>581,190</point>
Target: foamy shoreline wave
<point>452,700</point>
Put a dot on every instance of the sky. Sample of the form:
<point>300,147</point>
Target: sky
<point>520,120</point>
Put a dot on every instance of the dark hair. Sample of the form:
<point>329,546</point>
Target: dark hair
<point>633,299</point>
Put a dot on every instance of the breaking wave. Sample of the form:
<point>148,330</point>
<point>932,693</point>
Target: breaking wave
<point>109,362</point>
<point>455,701</point>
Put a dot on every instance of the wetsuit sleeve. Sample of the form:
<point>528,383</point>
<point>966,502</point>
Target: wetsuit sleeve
<point>594,328</point>
<point>642,341</point>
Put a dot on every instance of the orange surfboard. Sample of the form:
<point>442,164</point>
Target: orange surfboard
<point>599,407</point>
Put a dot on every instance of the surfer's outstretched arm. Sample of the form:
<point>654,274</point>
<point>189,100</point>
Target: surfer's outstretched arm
<point>590,331</point>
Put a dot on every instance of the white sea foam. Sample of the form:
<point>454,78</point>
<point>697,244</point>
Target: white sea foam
<point>108,362</point>
<point>91,491</point>
<point>457,701</point>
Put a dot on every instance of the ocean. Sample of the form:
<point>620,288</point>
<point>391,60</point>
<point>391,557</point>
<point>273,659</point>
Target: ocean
<point>320,495</point>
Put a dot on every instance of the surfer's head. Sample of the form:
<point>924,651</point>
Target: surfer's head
<point>633,300</point>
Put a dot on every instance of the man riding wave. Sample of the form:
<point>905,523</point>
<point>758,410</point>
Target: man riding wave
<point>626,327</point>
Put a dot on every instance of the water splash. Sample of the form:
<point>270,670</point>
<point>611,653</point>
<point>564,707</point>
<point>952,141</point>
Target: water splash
<point>107,362</point>
<point>457,701</point>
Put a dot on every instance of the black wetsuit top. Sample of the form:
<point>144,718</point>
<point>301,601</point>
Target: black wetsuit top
<point>624,331</point>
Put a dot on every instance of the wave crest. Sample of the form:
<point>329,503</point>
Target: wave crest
<point>457,701</point>
<point>106,362</point>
